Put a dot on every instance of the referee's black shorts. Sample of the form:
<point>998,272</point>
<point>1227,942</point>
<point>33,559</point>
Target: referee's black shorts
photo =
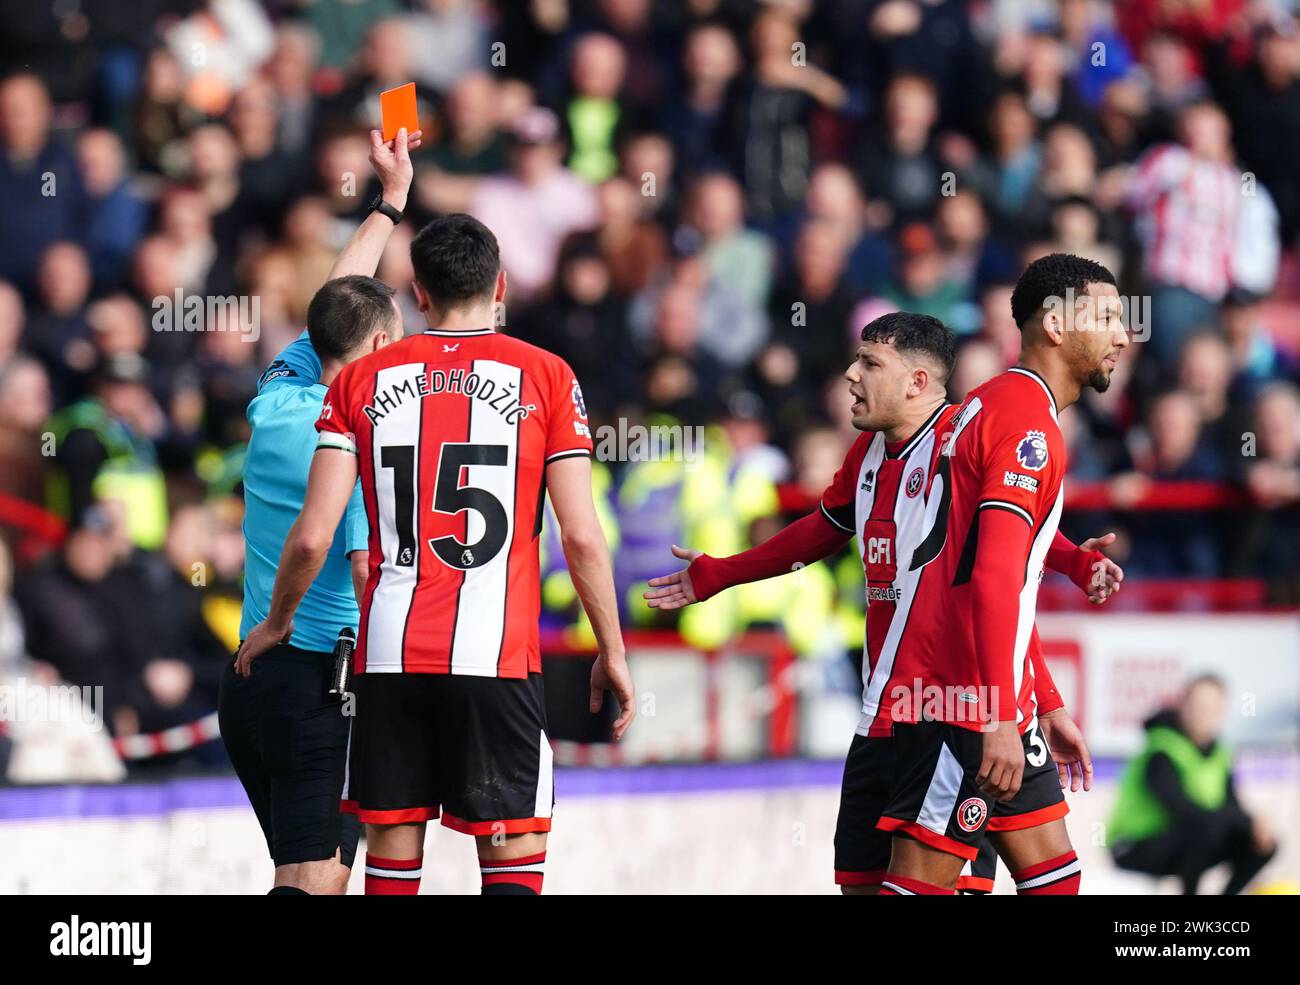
<point>288,738</point>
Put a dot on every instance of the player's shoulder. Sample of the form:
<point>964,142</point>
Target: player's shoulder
<point>1019,395</point>
<point>528,355</point>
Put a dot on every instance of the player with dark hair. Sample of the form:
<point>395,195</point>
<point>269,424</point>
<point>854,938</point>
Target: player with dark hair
<point>286,738</point>
<point>457,434</point>
<point>970,754</point>
<point>898,387</point>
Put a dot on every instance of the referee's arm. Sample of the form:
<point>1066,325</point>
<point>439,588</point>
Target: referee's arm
<point>329,487</point>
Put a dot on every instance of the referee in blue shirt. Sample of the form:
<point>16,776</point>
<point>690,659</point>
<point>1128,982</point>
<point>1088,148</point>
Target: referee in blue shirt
<point>286,735</point>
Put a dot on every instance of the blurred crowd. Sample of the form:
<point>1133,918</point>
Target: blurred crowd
<point>699,204</point>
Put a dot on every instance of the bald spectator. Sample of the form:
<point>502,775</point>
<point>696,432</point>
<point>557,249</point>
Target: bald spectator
<point>592,115</point>
<point>384,62</point>
<point>835,198</point>
<point>25,405</point>
<point>738,256</point>
<point>57,332</point>
<point>269,173</point>
<point>42,198</point>
<point>697,122</point>
<point>898,162</point>
<point>118,212</point>
<point>978,361</point>
<point>774,147</point>
<point>215,161</point>
<point>1205,373</point>
<point>470,143</point>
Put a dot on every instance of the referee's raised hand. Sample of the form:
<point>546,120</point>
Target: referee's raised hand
<point>391,160</point>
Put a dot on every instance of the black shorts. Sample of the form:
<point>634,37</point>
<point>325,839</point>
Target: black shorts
<point>861,848</point>
<point>936,800</point>
<point>471,750</point>
<point>287,739</point>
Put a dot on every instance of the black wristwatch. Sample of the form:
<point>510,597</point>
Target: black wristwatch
<point>379,205</point>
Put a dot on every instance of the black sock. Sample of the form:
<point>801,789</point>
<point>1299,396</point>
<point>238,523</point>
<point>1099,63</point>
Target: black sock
<point>288,891</point>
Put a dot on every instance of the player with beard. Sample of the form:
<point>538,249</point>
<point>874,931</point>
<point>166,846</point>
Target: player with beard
<point>969,747</point>
<point>898,386</point>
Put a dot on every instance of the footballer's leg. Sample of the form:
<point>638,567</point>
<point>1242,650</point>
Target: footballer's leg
<point>1041,859</point>
<point>496,727</point>
<point>512,865</point>
<point>393,782</point>
<point>862,849</point>
<point>936,811</point>
<point>1029,831</point>
<point>394,858</point>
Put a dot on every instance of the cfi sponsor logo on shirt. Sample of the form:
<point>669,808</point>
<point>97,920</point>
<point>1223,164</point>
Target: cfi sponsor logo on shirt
<point>1031,453</point>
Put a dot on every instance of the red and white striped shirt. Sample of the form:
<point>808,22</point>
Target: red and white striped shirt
<point>453,432</point>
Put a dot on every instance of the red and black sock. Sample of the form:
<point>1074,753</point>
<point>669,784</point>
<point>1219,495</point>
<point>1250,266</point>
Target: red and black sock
<point>1056,877</point>
<point>513,876</point>
<point>393,876</point>
<point>895,885</point>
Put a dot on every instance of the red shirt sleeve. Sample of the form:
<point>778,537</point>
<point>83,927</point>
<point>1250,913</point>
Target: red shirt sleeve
<point>803,542</point>
<point>1049,698</point>
<point>995,610</point>
<point>568,431</point>
<point>1064,556</point>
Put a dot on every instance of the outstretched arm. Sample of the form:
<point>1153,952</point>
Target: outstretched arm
<point>803,542</point>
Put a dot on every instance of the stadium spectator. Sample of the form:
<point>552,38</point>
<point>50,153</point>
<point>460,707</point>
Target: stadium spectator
<point>1171,544</point>
<point>57,332</point>
<point>1185,197</point>
<point>1177,813</point>
<point>899,165</point>
<point>739,257</point>
<point>118,214</point>
<point>535,206</point>
<point>697,123</point>
<point>41,193</point>
<point>592,114</point>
